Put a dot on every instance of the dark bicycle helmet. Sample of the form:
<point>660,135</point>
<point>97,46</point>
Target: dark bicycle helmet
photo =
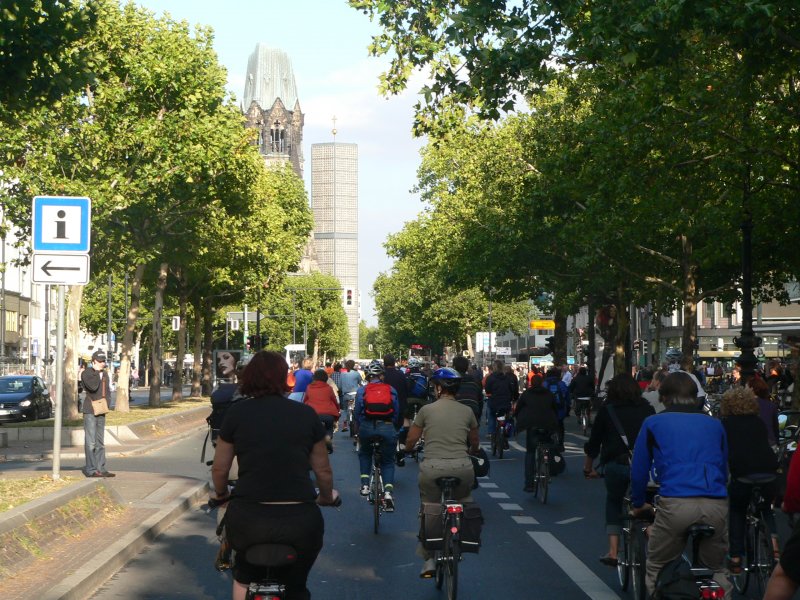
<point>375,369</point>
<point>447,378</point>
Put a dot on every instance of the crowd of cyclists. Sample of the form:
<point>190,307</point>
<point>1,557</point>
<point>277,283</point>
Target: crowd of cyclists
<point>653,436</point>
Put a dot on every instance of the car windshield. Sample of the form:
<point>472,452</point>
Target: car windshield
<point>14,385</point>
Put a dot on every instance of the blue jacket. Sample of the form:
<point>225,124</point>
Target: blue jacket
<point>687,450</point>
<point>359,405</point>
<point>562,397</point>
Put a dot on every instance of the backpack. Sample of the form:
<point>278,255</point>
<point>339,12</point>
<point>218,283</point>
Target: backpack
<point>378,400</point>
<point>417,385</point>
<point>675,581</point>
<point>221,400</point>
<point>554,389</point>
<point>470,394</point>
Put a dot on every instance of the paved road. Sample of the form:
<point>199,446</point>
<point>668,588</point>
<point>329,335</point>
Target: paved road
<point>529,551</point>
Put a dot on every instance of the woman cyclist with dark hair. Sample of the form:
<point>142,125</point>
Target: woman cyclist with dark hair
<point>277,442</point>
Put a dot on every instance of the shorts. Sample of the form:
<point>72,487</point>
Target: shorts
<point>297,525</point>
<point>790,558</point>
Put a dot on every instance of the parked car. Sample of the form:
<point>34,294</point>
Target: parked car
<point>24,398</point>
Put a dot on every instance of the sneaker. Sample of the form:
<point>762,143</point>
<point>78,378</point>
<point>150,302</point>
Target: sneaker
<point>365,489</point>
<point>388,502</point>
<point>428,569</point>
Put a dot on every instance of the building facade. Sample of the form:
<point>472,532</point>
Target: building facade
<point>334,201</point>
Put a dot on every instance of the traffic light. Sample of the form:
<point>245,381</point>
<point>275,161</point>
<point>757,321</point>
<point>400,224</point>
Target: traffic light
<point>551,343</point>
<point>348,297</point>
<point>637,345</point>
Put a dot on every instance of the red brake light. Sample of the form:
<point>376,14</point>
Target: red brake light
<point>455,508</point>
<point>454,530</point>
<point>712,593</point>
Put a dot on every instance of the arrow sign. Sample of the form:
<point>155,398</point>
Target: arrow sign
<point>61,269</point>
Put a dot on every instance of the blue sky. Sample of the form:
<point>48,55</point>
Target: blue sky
<point>327,43</point>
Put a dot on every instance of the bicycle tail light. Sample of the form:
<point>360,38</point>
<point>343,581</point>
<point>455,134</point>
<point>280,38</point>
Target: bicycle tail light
<point>455,508</point>
<point>712,592</point>
<point>501,419</point>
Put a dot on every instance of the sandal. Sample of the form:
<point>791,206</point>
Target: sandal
<point>735,565</point>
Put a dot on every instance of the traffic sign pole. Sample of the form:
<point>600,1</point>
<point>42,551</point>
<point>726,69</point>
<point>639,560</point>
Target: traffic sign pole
<point>59,400</point>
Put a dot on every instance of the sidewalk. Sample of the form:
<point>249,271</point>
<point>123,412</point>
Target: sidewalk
<point>72,567</point>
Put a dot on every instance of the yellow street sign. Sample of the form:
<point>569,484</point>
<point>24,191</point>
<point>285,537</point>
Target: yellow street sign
<point>543,324</point>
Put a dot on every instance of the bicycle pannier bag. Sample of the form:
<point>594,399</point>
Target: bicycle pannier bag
<point>675,582</point>
<point>430,525</point>
<point>557,463</point>
<point>471,525</point>
<point>378,401</point>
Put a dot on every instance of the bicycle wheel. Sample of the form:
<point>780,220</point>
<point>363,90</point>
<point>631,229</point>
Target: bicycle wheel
<point>537,468</point>
<point>585,423</point>
<point>763,562</point>
<point>637,557</point>
<point>377,495</point>
<point>451,567</point>
<point>494,443</point>
<point>440,566</point>
<point>545,476</point>
<point>742,579</point>
<point>624,558</point>
<point>501,442</point>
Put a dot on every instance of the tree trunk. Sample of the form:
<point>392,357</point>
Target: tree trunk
<point>123,381</point>
<point>689,305</point>
<point>560,353</point>
<point>177,376</point>
<point>197,349</point>
<point>208,340</point>
<point>69,408</point>
<point>156,341</point>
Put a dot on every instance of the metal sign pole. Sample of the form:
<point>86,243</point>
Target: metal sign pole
<point>59,385</point>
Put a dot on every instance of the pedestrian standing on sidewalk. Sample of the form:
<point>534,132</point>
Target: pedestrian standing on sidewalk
<point>97,385</point>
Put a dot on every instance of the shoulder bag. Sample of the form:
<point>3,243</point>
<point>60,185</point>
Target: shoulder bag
<point>100,407</point>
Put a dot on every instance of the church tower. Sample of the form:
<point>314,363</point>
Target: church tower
<point>271,105</point>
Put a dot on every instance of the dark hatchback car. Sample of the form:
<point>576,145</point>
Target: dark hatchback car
<point>24,398</point>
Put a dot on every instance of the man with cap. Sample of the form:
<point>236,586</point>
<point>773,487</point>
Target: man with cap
<point>97,384</point>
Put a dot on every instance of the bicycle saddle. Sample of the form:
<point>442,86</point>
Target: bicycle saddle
<point>757,478</point>
<point>701,530</point>
<point>270,555</point>
<point>447,481</point>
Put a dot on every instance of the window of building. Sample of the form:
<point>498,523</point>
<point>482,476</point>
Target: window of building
<point>12,321</point>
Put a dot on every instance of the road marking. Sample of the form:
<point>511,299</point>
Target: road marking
<point>573,567</point>
<point>487,484</point>
<point>507,506</point>
<point>498,495</point>
<point>568,521</point>
<point>522,520</point>
<point>516,445</point>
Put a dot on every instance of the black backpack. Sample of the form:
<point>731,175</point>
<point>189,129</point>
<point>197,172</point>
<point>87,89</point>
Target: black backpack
<point>676,582</point>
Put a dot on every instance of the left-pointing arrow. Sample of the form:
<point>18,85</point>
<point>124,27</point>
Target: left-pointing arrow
<point>47,268</point>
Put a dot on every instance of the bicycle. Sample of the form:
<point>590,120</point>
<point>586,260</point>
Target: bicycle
<point>376,491</point>
<point>448,557</point>
<point>632,553</point>
<point>541,474</point>
<point>583,413</point>
<point>758,559</point>
<point>499,443</point>
<point>272,556</point>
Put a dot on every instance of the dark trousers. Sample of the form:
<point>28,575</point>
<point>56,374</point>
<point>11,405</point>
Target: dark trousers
<point>297,525</point>
<point>617,477</point>
<point>327,421</point>
<point>739,498</point>
<point>94,447</point>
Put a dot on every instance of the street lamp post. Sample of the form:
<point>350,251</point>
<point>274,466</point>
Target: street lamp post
<point>748,341</point>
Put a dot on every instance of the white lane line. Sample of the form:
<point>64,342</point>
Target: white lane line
<point>521,520</point>
<point>507,506</point>
<point>584,578</point>
<point>516,445</point>
<point>487,484</point>
<point>568,521</point>
<point>498,495</point>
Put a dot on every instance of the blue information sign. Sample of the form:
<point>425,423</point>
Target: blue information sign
<point>61,224</point>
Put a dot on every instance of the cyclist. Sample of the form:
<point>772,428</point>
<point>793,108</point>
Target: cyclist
<point>321,397</point>
<point>750,457</point>
<point>397,379</point>
<point>552,381</point>
<point>350,382</point>
<point>277,443</point>
<point>446,425</point>
<point>621,415</point>
<point>582,389</point>
<point>536,413</point>
<point>377,413</point>
<point>469,391</point>
<point>499,391</point>
<point>689,452</point>
<point>786,577</point>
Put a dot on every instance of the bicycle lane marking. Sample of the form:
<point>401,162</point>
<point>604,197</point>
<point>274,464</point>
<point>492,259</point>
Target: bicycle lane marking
<point>573,567</point>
